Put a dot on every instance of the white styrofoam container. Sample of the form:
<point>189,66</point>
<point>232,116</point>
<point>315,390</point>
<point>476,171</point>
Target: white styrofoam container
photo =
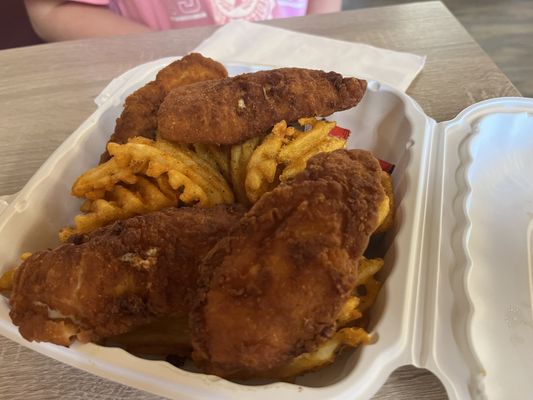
<point>459,263</point>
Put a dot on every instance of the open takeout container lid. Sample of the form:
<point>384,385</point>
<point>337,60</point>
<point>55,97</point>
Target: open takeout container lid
<point>457,298</point>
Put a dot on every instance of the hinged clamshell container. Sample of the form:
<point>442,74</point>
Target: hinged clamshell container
<point>458,294</point>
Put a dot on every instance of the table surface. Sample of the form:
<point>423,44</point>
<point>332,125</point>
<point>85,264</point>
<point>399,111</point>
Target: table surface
<point>46,91</point>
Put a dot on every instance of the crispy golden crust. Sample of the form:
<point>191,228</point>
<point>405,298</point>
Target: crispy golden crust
<point>139,117</point>
<point>273,289</point>
<point>190,69</point>
<point>232,110</point>
<point>108,281</point>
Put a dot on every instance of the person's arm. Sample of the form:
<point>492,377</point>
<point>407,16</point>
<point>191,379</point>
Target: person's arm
<point>55,20</point>
<point>323,6</point>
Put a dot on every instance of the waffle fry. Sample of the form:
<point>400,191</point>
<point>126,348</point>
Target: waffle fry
<point>387,222</point>
<point>285,152</point>
<point>239,158</point>
<point>325,354</point>
<point>367,286</point>
<point>144,176</point>
<point>121,203</point>
<point>197,180</point>
<point>349,312</point>
<point>95,182</point>
<point>188,167</point>
<point>217,156</point>
<point>6,279</point>
<point>306,144</point>
<point>195,174</point>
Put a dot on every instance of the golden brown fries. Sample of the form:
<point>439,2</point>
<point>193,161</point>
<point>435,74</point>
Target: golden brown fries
<point>303,145</point>
<point>239,159</point>
<point>350,312</point>
<point>325,354</point>
<point>194,177</point>
<point>386,224</point>
<point>262,165</point>
<point>123,201</point>
<point>284,153</point>
<point>217,156</point>
<point>94,183</point>
<point>367,286</point>
<point>143,176</point>
<point>6,279</point>
<point>198,180</point>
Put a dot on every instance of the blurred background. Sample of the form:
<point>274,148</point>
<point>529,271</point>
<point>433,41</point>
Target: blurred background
<point>503,28</point>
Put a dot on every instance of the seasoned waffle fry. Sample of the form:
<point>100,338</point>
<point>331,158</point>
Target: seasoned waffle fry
<point>121,203</point>
<point>95,182</point>
<point>221,155</point>
<point>6,279</point>
<point>206,178</point>
<point>262,166</point>
<point>325,354</point>
<point>193,175</point>
<point>304,145</point>
<point>239,159</point>
<point>197,174</point>
<point>367,286</point>
<point>217,156</point>
<point>350,311</point>
<point>144,176</point>
<point>387,222</point>
<point>285,152</point>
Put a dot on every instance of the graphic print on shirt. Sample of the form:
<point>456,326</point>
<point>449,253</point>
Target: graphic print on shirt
<point>250,10</point>
<point>298,4</point>
<point>186,10</point>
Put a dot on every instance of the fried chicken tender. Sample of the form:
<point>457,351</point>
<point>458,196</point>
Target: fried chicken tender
<point>139,117</point>
<point>277,285</point>
<point>118,277</point>
<point>238,108</point>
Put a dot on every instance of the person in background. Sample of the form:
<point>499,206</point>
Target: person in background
<point>55,20</point>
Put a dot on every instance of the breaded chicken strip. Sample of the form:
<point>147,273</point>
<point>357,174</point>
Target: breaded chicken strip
<point>274,288</point>
<point>231,110</point>
<point>139,117</point>
<point>117,277</point>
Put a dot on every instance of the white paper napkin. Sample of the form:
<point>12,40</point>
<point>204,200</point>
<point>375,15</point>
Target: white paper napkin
<point>247,42</point>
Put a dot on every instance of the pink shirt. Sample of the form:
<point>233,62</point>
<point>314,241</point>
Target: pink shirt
<point>169,14</point>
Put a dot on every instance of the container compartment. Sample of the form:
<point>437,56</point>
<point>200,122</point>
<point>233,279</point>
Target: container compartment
<point>479,340</point>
